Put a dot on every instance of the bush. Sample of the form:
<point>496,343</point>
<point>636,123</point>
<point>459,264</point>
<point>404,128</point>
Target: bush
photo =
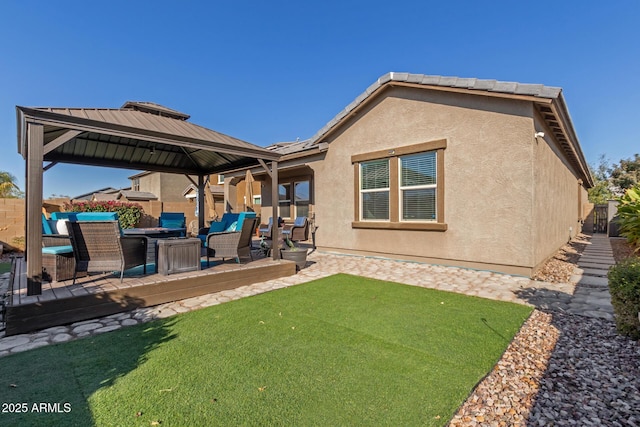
<point>129,214</point>
<point>624,286</point>
<point>629,216</point>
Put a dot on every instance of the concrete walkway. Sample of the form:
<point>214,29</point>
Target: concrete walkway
<point>586,295</point>
<point>591,296</point>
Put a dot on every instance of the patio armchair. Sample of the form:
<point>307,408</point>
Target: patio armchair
<point>98,247</point>
<point>231,244</point>
<point>297,231</point>
<point>228,222</point>
<point>265,230</point>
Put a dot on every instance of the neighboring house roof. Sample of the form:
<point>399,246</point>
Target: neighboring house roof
<point>102,197</point>
<point>192,190</point>
<point>87,196</point>
<point>137,195</point>
<point>549,102</point>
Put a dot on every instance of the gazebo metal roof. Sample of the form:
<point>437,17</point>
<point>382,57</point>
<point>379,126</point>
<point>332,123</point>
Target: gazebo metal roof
<point>141,136</point>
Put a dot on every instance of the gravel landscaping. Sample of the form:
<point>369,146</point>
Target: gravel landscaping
<point>561,369</point>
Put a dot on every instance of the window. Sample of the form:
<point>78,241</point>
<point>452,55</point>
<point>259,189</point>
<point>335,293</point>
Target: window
<point>220,179</point>
<point>374,190</point>
<point>294,198</point>
<point>418,187</point>
<point>135,184</point>
<point>284,200</point>
<point>301,198</point>
<point>257,200</point>
<point>401,188</point>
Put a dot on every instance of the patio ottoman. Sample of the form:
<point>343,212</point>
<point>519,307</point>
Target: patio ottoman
<point>177,255</point>
<point>58,263</point>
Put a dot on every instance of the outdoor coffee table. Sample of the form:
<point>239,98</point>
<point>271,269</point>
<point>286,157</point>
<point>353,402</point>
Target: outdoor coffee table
<point>177,255</point>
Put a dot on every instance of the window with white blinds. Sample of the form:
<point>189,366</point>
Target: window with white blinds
<point>374,190</point>
<point>400,188</point>
<point>418,183</point>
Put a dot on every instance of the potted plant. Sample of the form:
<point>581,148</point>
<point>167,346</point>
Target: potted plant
<point>293,253</point>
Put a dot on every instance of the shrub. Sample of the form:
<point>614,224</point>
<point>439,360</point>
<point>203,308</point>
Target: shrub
<point>629,216</point>
<point>624,285</point>
<point>129,214</point>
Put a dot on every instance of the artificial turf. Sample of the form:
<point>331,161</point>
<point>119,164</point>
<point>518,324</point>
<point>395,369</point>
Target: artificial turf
<point>342,350</point>
<point>5,267</point>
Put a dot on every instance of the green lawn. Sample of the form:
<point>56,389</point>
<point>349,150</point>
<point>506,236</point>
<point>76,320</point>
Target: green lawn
<point>337,351</point>
<point>5,267</point>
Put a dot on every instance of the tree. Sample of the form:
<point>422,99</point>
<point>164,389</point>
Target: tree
<point>8,188</point>
<point>626,174</point>
<point>601,190</point>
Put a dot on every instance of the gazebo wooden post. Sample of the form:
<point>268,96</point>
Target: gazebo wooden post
<point>275,232</point>
<point>33,208</point>
<point>200,201</point>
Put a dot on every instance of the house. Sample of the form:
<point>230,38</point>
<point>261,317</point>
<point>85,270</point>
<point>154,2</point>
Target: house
<point>463,172</point>
<point>166,187</point>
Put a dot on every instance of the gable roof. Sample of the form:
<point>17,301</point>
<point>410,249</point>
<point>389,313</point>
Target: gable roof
<point>548,101</point>
<point>139,135</point>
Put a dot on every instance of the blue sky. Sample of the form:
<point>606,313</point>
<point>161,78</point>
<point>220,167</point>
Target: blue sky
<point>275,71</point>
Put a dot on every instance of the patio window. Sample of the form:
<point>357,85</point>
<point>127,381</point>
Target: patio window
<point>284,200</point>
<point>301,198</point>
<point>401,188</point>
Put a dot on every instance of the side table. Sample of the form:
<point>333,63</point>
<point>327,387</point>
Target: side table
<point>177,255</point>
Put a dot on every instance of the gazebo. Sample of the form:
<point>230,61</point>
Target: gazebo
<point>137,136</point>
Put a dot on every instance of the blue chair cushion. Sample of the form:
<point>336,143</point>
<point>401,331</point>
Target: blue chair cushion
<point>97,216</point>
<point>172,223</point>
<point>46,226</point>
<point>57,250</point>
<point>217,227</point>
<point>71,216</point>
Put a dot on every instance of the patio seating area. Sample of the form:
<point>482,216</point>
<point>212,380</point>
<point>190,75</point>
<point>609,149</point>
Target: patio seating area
<point>94,295</point>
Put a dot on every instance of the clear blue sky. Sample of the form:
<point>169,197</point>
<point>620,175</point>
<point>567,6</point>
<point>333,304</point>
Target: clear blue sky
<point>274,71</point>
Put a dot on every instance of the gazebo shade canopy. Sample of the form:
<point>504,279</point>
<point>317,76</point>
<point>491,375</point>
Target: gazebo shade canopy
<point>139,135</point>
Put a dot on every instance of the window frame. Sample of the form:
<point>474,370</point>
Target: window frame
<point>374,190</point>
<point>395,221</point>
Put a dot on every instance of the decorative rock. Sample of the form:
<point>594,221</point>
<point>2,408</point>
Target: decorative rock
<point>86,327</point>
<point>61,338</point>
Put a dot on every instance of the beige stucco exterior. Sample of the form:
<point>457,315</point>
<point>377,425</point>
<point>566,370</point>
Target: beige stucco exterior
<point>168,187</point>
<point>511,199</point>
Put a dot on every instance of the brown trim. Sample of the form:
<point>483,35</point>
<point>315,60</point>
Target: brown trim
<point>415,226</point>
<point>356,193</point>
<point>440,185</point>
<point>400,151</point>
<point>394,190</point>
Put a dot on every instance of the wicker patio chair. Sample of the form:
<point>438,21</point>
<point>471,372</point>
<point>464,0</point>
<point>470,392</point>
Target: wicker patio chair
<point>297,231</point>
<point>231,244</point>
<point>98,246</point>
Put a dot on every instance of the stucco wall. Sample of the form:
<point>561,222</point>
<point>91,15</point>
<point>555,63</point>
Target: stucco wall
<point>488,174</point>
<point>171,186</point>
<point>558,198</point>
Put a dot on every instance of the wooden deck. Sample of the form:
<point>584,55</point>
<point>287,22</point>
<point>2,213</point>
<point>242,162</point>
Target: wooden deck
<point>103,294</point>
